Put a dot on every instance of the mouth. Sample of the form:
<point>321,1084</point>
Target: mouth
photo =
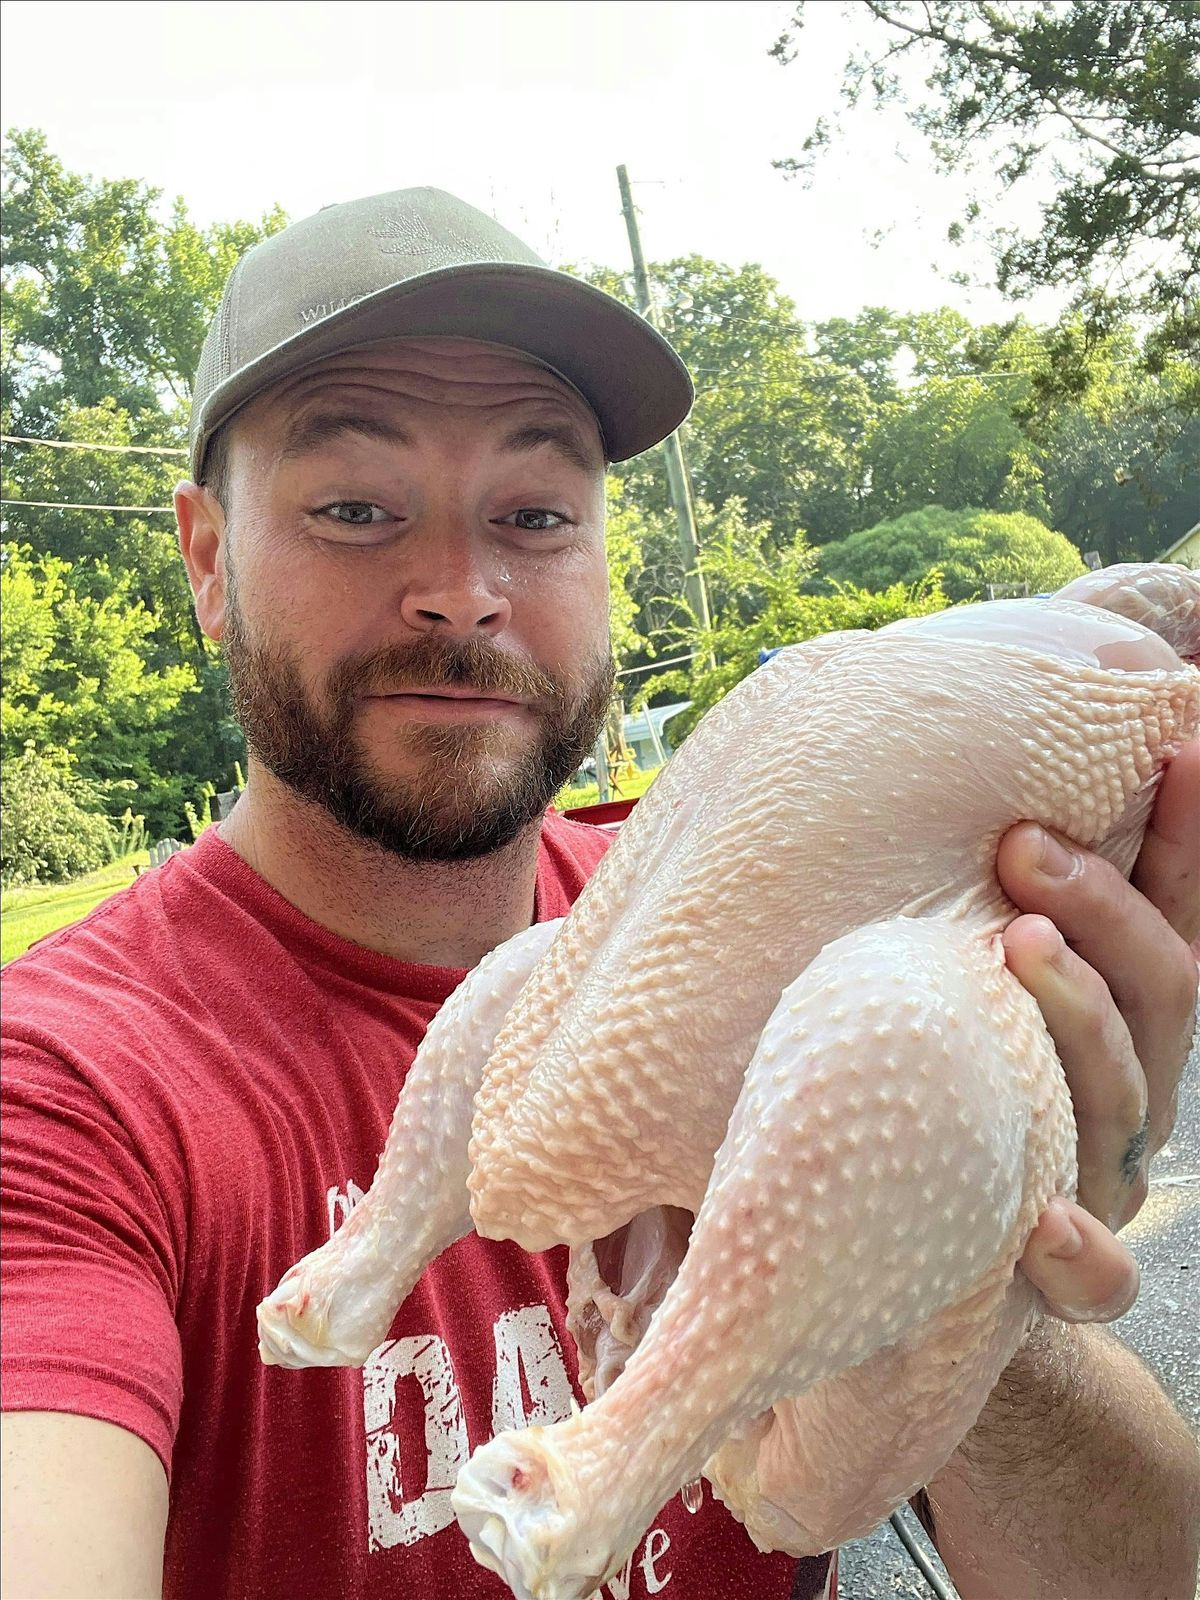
<point>450,704</point>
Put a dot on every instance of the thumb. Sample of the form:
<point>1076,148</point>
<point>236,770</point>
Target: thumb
<point>1084,1272</point>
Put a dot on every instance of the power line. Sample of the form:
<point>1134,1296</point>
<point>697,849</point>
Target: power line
<point>80,444</point>
<point>657,666</point>
<point>71,505</point>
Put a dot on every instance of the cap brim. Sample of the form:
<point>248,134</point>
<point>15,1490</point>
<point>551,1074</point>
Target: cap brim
<point>626,371</point>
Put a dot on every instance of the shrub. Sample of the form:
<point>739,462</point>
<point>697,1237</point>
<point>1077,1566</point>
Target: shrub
<point>757,600</point>
<point>51,823</point>
<point>970,549</point>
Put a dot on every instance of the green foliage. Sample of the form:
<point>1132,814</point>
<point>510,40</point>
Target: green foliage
<point>131,835</point>
<point>1122,479</point>
<point>757,600</point>
<point>202,817</point>
<point>1102,94</point>
<point>772,425</point>
<point>834,427</point>
<point>968,548</point>
<point>76,676</point>
<point>51,826</point>
<point>628,530</point>
<point>952,442</point>
<point>106,302</point>
<point>588,794</point>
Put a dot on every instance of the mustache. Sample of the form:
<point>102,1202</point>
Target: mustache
<point>437,663</point>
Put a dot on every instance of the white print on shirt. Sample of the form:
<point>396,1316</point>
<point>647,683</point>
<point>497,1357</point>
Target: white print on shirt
<point>527,1343</point>
<point>410,1500</point>
<point>392,1519</point>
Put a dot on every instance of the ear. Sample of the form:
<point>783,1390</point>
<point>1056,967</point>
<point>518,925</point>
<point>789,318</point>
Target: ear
<point>201,523</point>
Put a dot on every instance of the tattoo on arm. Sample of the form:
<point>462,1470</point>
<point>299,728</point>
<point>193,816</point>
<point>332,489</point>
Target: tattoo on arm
<point>1131,1162</point>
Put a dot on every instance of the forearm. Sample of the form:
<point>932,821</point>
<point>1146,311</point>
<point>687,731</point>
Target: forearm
<point>84,1509</point>
<point>1078,1482</point>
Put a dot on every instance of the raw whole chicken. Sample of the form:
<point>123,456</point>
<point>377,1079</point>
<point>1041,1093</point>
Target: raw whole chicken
<point>773,1083</point>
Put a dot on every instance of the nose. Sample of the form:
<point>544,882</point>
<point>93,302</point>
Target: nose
<point>453,587</point>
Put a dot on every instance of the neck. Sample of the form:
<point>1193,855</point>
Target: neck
<point>444,914</point>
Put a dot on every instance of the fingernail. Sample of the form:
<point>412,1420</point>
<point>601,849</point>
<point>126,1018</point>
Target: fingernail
<point>1110,1311</point>
<point>1056,861</point>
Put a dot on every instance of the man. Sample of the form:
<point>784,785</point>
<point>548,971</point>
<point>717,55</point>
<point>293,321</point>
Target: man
<point>395,526</point>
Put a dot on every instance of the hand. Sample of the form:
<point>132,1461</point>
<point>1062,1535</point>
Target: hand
<point>1118,992</point>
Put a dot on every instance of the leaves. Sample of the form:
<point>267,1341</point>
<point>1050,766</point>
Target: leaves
<point>102,298</point>
<point>51,825</point>
<point>1102,95</point>
<point>967,549</point>
<point>76,677</point>
<point>106,303</point>
<point>758,602</point>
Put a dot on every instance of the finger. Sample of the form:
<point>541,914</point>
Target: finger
<point>1082,1271</point>
<point>1168,869</point>
<point>1149,970</point>
<point>1107,1084</point>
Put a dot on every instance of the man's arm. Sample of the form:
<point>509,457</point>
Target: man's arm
<point>1078,1482</point>
<point>84,1510</point>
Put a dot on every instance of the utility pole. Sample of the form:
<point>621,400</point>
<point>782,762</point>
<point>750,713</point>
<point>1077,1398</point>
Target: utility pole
<point>681,499</point>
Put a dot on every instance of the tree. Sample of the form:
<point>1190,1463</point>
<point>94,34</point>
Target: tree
<point>102,299</point>
<point>76,682</point>
<point>1071,423</point>
<point>51,822</point>
<point>773,425</point>
<point>627,531</point>
<point>952,442</point>
<point>135,558</point>
<point>866,345</point>
<point>1125,481</point>
<point>968,548</point>
<point>1103,94</point>
<point>106,303</point>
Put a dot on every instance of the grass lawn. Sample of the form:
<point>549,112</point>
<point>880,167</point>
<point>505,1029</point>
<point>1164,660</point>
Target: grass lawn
<point>30,913</point>
<point>631,788</point>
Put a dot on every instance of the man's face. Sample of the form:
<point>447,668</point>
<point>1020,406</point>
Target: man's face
<point>417,594</point>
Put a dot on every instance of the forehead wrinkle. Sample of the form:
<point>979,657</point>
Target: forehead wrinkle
<point>474,375</point>
<point>317,409</point>
<point>406,376</point>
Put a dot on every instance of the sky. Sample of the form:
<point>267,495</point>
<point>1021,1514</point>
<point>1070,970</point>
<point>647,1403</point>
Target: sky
<point>524,109</point>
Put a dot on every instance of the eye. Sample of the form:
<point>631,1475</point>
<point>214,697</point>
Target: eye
<point>535,519</point>
<point>354,513</point>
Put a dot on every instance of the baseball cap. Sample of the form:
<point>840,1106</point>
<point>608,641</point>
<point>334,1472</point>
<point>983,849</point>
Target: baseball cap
<point>421,263</point>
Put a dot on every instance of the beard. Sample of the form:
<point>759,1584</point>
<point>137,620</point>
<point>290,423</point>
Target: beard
<point>473,796</point>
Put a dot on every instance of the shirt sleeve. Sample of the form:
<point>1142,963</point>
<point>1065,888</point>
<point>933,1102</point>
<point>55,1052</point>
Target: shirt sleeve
<point>88,1264</point>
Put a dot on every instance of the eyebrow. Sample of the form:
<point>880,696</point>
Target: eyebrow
<point>310,434</point>
<point>561,437</point>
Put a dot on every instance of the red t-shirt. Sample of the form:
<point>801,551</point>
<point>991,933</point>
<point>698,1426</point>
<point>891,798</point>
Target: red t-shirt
<point>198,1081</point>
